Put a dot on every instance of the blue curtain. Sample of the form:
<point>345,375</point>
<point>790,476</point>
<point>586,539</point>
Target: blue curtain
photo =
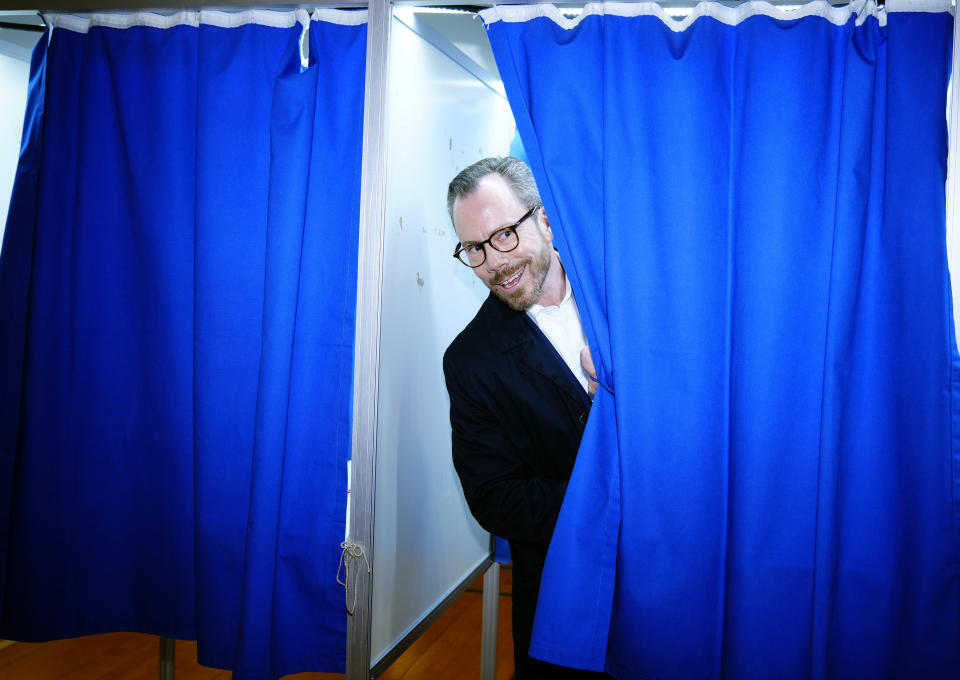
<point>178,285</point>
<point>751,210</point>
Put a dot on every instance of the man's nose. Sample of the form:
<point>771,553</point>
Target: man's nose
<point>495,259</point>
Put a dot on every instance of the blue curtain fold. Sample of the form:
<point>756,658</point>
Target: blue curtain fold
<point>752,216</point>
<point>186,265</point>
<point>14,288</point>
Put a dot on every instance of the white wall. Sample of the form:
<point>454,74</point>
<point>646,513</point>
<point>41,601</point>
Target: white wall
<point>15,47</point>
<point>441,118</point>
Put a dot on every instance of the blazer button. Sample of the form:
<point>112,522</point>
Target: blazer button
<point>583,417</point>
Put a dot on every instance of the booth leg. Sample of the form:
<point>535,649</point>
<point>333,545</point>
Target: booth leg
<point>488,635</point>
<point>167,653</point>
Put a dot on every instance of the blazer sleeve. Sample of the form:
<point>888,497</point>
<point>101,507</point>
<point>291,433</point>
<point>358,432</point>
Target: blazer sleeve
<point>503,497</point>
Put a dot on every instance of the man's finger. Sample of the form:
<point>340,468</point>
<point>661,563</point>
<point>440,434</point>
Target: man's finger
<point>586,360</point>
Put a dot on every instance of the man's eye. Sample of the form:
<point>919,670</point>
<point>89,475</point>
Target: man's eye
<point>474,249</point>
<point>503,235</point>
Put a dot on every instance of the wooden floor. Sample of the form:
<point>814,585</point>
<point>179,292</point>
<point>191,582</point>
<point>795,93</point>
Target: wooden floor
<point>448,650</point>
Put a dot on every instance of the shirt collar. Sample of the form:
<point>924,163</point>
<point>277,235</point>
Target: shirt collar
<point>535,310</point>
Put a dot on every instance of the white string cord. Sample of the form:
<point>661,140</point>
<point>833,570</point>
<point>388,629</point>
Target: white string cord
<point>350,557</point>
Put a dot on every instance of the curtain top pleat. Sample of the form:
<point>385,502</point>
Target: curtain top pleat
<point>272,18</point>
<point>680,18</point>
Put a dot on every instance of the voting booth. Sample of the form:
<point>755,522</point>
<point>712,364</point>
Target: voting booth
<point>303,292</point>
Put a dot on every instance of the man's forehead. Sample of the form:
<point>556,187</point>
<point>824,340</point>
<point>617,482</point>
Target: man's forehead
<point>495,183</point>
<point>492,195</point>
<point>480,214</point>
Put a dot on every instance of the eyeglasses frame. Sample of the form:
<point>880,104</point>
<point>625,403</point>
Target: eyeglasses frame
<point>489,240</point>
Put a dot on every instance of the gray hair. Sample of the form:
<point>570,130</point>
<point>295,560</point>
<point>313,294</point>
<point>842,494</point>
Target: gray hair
<point>513,170</point>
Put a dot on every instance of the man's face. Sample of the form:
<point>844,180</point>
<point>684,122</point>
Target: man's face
<point>515,277</point>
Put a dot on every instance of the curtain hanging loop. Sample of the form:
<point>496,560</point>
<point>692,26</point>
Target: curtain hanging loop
<point>303,17</point>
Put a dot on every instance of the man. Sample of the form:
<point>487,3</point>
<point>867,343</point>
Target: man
<point>519,395</point>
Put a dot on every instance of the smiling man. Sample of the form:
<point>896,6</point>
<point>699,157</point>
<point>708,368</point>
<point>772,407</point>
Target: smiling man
<point>519,394</point>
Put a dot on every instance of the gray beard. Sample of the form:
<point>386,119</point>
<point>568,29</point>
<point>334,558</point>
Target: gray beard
<point>523,303</point>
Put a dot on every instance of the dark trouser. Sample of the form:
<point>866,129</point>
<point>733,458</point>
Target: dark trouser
<point>528,668</point>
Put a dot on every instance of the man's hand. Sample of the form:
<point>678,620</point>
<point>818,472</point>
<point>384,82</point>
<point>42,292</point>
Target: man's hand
<point>586,360</point>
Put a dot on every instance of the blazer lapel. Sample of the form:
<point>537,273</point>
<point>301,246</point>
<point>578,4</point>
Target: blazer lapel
<point>541,356</point>
<point>517,332</point>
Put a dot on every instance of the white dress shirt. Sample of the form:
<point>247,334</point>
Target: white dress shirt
<point>562,326</point>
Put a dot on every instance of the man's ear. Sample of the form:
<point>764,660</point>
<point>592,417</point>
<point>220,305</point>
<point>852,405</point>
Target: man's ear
<point>548,232</point>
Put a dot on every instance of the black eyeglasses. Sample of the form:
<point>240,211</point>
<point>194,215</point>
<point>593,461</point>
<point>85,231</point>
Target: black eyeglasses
<point>503,239</point>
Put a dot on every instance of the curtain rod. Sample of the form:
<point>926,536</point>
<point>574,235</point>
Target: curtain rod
<point>87,6</point>
<point>179,5</point>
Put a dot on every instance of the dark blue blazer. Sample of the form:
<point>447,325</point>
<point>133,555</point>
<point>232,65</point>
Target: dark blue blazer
<point>517,414</point>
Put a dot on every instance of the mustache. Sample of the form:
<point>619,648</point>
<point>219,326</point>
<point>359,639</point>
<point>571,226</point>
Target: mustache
<point>507,274</point>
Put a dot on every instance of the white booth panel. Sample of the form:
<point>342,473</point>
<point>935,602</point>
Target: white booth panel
<point>15,49</point>
<point>441,118</point>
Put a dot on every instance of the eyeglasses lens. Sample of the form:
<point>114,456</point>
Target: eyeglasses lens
<point>473,256</point>
<point>504,240</point>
